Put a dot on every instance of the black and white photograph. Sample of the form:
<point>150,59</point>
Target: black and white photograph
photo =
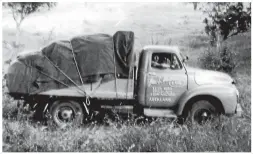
<point>126,76</point>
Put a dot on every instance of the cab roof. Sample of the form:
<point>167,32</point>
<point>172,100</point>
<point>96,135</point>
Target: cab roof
<point>163,48</point>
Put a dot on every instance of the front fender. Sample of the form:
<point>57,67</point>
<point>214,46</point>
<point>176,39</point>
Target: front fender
<point>225,93</point>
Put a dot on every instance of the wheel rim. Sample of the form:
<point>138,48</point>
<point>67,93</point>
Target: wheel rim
<point>201,116</point>
<point>65,114</point>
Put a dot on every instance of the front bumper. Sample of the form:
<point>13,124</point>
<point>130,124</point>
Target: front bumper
<point>238,110</point>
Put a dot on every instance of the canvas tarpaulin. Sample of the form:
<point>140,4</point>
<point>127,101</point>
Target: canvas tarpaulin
<point>54,65</point>
<point>123,46</point>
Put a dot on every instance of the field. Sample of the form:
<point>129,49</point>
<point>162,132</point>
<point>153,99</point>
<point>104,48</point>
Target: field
<point>159,23</point>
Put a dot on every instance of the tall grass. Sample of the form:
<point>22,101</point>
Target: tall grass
<point>158,136</point>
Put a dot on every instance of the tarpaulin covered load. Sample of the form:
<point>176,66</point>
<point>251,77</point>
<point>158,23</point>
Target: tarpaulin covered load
<point>93,56</point>
<point>123,46</point>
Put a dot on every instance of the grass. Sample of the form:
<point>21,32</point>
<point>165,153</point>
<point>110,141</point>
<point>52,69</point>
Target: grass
<point>158,136</point>
<point>230,134</point>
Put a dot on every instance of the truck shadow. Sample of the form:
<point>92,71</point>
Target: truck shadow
<point>118,119</point>
<point>109,118</point>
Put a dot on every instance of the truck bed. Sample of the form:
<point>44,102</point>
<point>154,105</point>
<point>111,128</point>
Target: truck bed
<point>107,90</point>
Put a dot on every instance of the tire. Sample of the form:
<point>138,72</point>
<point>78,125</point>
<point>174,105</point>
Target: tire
<point>202,112</point>
<point>66,114</point>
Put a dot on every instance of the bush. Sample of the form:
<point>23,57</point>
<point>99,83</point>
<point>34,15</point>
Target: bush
<point>221,60</point>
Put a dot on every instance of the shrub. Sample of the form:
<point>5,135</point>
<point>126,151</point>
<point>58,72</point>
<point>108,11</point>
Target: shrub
<point>222,59</point>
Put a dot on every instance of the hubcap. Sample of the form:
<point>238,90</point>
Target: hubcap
<point>65,114</point>
<point>202,116</point>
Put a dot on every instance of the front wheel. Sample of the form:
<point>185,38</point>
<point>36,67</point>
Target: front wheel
<point>202,112</point>
<point>66,114</point>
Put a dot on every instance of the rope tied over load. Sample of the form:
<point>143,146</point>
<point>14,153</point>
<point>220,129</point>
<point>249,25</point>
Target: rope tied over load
<point>87,97</point>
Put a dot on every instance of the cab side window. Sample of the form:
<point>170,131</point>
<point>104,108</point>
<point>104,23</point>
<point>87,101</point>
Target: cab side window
<point>165,61</point>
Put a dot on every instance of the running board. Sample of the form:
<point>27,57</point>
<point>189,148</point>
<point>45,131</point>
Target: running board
<point>159,113</point>
<point>120,109</point>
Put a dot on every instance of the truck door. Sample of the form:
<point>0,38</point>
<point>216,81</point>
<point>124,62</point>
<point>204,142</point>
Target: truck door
<point>166,80</point>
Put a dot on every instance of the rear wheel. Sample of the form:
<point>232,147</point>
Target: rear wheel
<point>66,114</point>
<point>202,112</point>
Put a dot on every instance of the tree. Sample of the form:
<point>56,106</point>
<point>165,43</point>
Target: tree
<point>225,20</point>
<point>195,5</point>
<point>20,10</point>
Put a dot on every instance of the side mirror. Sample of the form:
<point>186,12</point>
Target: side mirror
<point>185,59</point>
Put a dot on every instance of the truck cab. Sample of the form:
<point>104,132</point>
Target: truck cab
<point>162,77</point>
<point>167,87</point>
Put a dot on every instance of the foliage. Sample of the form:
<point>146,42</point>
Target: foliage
<point>225,20</point>
<point>195,5</point>
<point>20,10</point>
<point>223,60</point>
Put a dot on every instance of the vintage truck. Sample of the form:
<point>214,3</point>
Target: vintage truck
<point>159,84</point>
